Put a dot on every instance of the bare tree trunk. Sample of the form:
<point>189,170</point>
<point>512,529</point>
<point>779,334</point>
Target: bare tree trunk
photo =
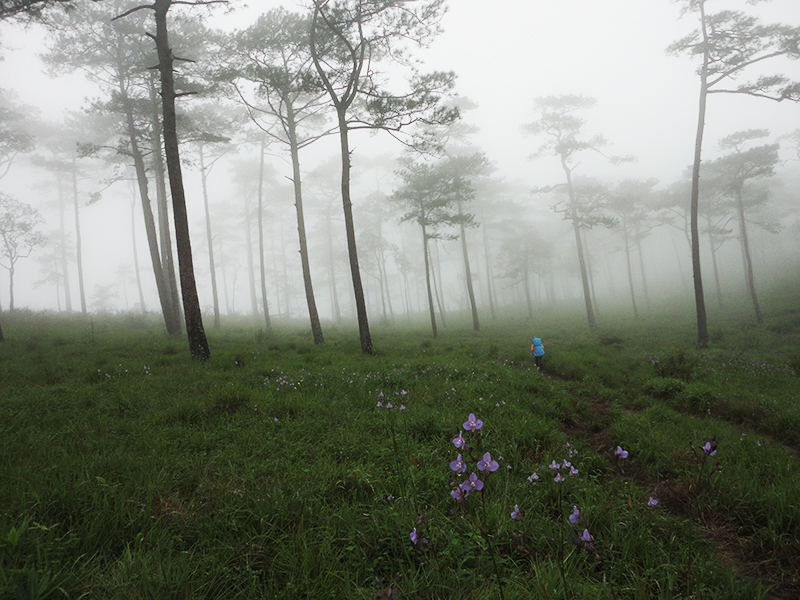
<point>209,238</point>
<point>337,313</point>
<point>715,266</point>
<point>136,255</point>
<point>260,221</point>
<point>198,343</point>
<point>489,277</point>
<point>438,285</point>
<point>63,241</point>
<point>748,262</point>
<point>470,291</point>
<point>641,269</point>
<point>170,319</point>
<point>587,298</point>
<point>78,245</point>
<point>347,205</point>
<point>628,265</point>
<point>313,315</point>
<point>699,299</point>
<point>428,280</point>
<point>167,259</point>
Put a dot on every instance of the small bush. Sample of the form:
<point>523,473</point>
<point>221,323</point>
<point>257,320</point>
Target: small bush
<point>676,366</point>
<point>663,388</point>
<point>697,398</point>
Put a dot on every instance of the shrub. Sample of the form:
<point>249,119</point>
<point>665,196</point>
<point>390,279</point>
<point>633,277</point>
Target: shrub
<point>677,366</point>
<point>697,398</point>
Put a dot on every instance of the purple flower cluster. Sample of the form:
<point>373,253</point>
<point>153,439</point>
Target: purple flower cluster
<point>485,464</point>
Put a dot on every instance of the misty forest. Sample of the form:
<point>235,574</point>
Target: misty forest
<point>281,317</point>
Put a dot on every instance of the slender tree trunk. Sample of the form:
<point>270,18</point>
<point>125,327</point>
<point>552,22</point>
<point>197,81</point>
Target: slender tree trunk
<point>527,289</point>
<point>63,243</point>
<point>715,265</point>
<point>748,262</point>
<point>11,285</point>
<point>468,272</point>
<point>489,278</point>
<point>251,272</point>
<point>628,264</point>
<point>313,314</point>
<point>699,299</point>
<point>337,313</point>
<point>428,281</point>
<point>136,255</point>
<point>209,237</point>
<point>358,290</point>
<point>438,285</point>
<point>260,221</point>
<point>78,244</point>
<point>641,269</point>
<point>170,321</point>
<point>587,298</point>
<point>198,343</point>
<point>167,259</point>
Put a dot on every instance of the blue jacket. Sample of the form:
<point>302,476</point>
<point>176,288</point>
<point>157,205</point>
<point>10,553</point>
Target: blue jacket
<point>537,348</point>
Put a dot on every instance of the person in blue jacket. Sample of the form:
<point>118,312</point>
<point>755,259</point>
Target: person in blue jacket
<point>537,349</point>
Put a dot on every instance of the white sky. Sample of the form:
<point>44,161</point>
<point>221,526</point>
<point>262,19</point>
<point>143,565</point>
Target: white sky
<point>508,52</point>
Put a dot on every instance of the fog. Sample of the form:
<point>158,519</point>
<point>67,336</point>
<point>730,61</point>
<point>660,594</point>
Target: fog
<point>522,251</point>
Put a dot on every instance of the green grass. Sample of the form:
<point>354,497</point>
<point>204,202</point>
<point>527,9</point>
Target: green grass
<point>128,470</point>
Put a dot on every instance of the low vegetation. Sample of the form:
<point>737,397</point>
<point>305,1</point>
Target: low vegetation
<point>632,466</point>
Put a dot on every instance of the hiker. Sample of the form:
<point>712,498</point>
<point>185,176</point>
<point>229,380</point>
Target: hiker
<point>537,349</point>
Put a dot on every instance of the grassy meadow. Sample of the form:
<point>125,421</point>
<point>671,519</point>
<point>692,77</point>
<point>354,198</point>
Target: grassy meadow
<point>130,471</point>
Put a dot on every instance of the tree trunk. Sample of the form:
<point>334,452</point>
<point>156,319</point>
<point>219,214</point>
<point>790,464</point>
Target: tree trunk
<point>260,222</point>
<point>167,259</point>
<point>358,290</point>
<point>11,285</point>
<point>170,320</point>
<point>748,262</point>
<point>587,298</point>
<point>313,315</point>
<point>470,291</point>
<point>436,270</point>
<point>337,312</point>
<point>78,245</point>
<point>641,269</point>
<point>63,241</point>
<point>136,256</point>
<point>628,265</point>
<point>209,238</point>
<point>428,281</point>
<point>699,300</point>
<point>489,278</point>
<point>715,266</point>
<point>198,343</point>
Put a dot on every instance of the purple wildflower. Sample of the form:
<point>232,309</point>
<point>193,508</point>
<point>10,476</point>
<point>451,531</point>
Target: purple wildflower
<point>473,424</point>
<point>389,405</point>
<point>709,449</point>
<point>487,463</point>
<point>575,516</point>
<point>458,441</point>
<point>620,452</point>
<point>652,502</point>
<point>555,465</point>
<point>379,404</point>
<point>415,539</point>
<point>532,478</point>
<point>573,471</point>
<point>587,538</point>
<point>558,478</point>
<point>458,465</point>
<point>516,514</point>
<point>473,484</point>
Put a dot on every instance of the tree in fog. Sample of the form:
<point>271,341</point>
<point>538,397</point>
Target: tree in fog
<point>429,194</point>
<point>18,235</point>
<point>15,138</point>
<point>273,54</point>
<point>629,202</point>
<point>523,254</point>
<point>198,344</point>
<point>732,174</point>
<point>114,55</point>
<point>31,9</point>
<point>564,138</point>
<point>727,44</point>
<point>349,39</point>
